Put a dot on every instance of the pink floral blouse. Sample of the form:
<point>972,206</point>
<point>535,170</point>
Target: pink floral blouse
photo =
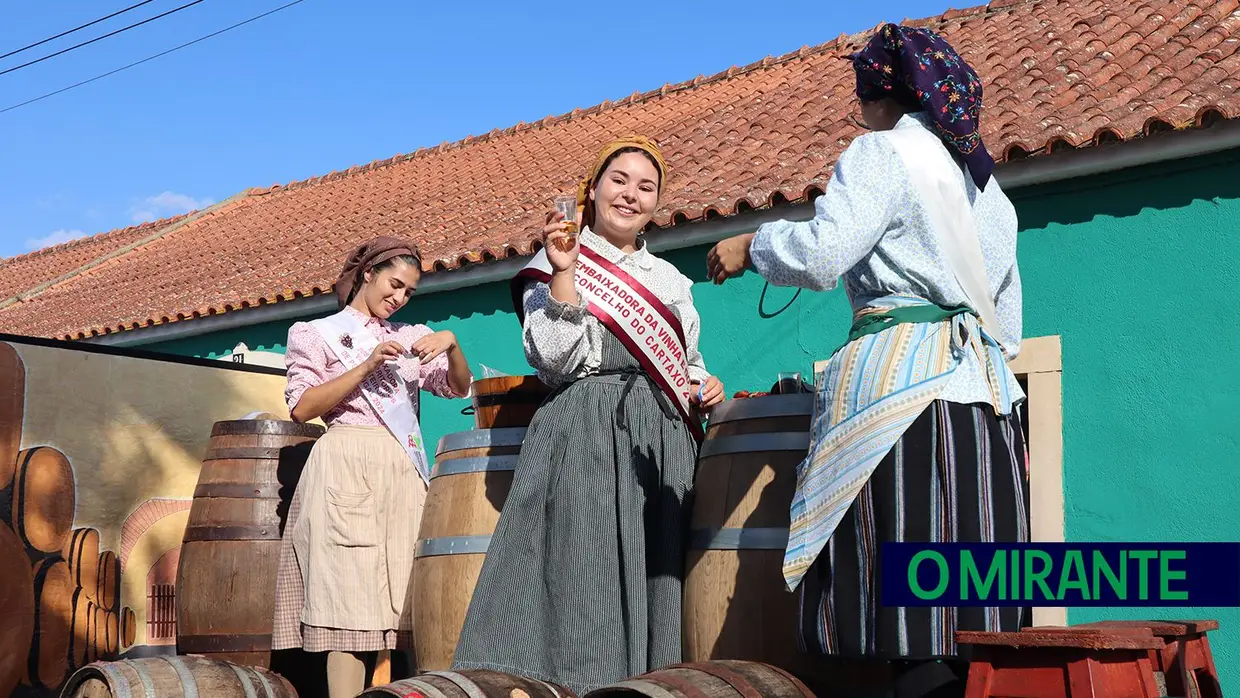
<point>310,362</point>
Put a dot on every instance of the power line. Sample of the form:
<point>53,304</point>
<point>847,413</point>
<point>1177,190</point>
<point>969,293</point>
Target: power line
<point>100,38</point>
<point>88,24</point>
<point>151,58</point>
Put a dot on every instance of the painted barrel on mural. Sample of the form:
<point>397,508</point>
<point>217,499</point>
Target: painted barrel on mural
<point>718,679</point>
<point>82,554</point>
<point>82,627</point>
<point>42,497</point>
<point>736,605</point>
<point>17,603</point>
<point>479,683</point>
<point>507,401</point>
<point>469,485</point>
<point>12,411</point>
<point>157,677</point>
<point>108,593</point>
<point>48,659</point>
<point>226,576</point>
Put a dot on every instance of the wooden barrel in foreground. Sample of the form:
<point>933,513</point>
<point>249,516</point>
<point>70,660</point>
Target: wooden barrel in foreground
<point>16,610</point>
<point>736,605</point>
<point>175,677</point>
<point>44,497</point>
<point>226,576</point>
<point>469,485</point>
<point>507,401</point>
<point>468,684</point>
<point>719,679</point>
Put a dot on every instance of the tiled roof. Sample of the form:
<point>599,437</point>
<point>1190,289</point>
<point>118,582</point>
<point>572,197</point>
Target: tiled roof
<point>1057,73</point>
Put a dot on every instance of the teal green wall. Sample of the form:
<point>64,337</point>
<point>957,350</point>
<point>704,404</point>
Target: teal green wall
<point>1131,270</point>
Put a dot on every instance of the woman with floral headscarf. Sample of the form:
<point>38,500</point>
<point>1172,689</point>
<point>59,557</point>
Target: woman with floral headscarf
<point>582,580</point>
<point>916,437</point>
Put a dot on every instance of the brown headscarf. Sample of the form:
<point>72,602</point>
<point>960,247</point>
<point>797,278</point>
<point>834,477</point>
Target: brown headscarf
<point>367,255</point>
<point>585,213</point>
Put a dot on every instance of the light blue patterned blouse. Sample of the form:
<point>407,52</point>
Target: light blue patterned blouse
<point>871,230</point>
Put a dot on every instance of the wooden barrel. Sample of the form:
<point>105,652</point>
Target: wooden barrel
<point>736,605</point>
<point>16,610</point>
<point>108,587</point>
<point>718,679</point>
<point>82,554</point>
<point>43,500</point>
<point>12,411</point>
<point>129,627</point>
<point>172,677</point>
<point>507,401</point>
<point>469,484</point>
<point>226,576</point>
<point>81,629</point>
<point>48,659</point>
<point>474,683</point>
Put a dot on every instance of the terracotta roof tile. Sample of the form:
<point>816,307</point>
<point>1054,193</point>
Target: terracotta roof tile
<point>1058,74</point>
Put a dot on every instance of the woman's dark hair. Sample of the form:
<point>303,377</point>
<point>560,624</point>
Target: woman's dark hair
<point>411,260</point>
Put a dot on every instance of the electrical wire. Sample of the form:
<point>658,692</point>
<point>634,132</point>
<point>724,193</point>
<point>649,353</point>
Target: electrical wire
<point>88,24</point>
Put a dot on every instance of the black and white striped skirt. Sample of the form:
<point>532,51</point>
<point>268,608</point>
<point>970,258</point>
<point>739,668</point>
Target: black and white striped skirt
<point>957,475</point>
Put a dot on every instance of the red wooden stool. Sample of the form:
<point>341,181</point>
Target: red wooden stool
<point>1185,658</point>
<point>1031,664</point>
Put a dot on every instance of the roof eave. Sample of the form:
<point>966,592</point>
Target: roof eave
<point>1037,170</point>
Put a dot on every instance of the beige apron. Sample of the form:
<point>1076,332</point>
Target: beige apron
<point>354,538</point>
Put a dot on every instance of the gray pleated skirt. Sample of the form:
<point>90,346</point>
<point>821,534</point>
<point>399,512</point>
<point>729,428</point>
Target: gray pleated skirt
<point>582,581</point>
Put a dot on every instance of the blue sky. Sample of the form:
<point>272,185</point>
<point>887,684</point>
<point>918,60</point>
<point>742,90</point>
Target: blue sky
<point>327,84</point>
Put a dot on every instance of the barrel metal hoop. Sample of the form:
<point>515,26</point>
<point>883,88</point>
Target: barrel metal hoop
<point>471,689</point>
<point>237,490</point>
<point>246,684</point>
<point>753,443</point>
<point>245,453</point>
<point>266,427</point>
<point>120,683</point>
<point>428,689</point>
<point>210,644</point>
<point>738,539</point>
<point>262,678</point>
<point>732,678</point>
<point>452,545</point>
<point>478,464</point>
<point>685,687</point>
<point>480,438</point>
<point>795,405</point>
<point>212,533</point>
<point>189,685</point>
<point>148,686</point>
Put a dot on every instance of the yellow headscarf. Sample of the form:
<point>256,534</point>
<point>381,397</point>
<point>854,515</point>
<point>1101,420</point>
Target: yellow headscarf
<point>586,214</point>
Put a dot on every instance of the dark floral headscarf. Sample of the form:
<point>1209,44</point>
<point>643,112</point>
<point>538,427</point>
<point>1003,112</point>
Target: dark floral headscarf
<point>917,68</point>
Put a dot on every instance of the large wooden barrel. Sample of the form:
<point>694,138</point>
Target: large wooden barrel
<point>474,683</point>
<point>17,609</point>
<point>719,679</point>
<point>469,484</point>
<point>230,551</point>
<point>12,412</point>
<point>175,677</point>
<point>82,554</point>
<point>43,499</point>
<point>129,627</point>
<point>736,605</point>
<point>48,659</point>
<point>507,401</point>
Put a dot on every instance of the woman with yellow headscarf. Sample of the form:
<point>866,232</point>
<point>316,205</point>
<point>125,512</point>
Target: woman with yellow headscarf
<point>582,581</point>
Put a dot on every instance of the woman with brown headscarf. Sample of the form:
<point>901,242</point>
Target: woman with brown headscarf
<point>582,580</point>
<point>348,545</point>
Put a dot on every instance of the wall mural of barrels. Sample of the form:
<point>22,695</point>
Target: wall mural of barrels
<point>100,452</point>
